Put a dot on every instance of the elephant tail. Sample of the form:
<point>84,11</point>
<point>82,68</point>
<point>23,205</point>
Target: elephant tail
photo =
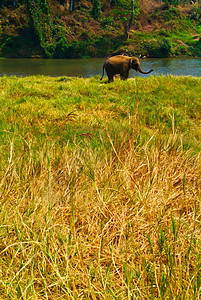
<point>103,71</point>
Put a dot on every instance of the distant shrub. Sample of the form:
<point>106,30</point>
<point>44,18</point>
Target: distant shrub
<point>199,43</point>
<point>108,21</point>
<point>196,14</point>
<point>96,11</point>
<point>61,49</point>
<point>12,45</point>
<point>41,22</point>
<point>164,33</point>
<point>102,43</point>
<point>158,48</point>
<point>172,2</point>
<point>123,3</point>
<point>166,13</point>
<point>181,50</point>
<point>171,13</point>
<point>198,47</point>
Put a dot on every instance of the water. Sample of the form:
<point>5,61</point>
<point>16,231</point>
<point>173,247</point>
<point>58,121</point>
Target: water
<point>91,67</point>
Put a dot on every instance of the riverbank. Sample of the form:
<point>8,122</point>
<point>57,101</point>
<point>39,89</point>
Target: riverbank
<point>100,188</point>
<point>157,31</point>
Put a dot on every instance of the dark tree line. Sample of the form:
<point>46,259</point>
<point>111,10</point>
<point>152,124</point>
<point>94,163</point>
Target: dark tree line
<point>46,31</point>
<point>10,3</point>
<point>69,3</point>
<point>49,35</point>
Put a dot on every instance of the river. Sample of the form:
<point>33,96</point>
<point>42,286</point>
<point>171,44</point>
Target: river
<point>93,66</point>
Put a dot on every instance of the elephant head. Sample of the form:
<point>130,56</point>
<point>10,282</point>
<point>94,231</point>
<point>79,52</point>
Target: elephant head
<point>135,65</point>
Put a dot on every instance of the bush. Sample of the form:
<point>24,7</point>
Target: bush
<point>164,33</point>
<point>158,48</point>
<point>96,11</point>
<point>172,2</point>
<point>61,49</point>
<point>197,47</point>
<point>15,46</point>
<point>198,44</point>
<point>181,50</point>
<point>107,22</point>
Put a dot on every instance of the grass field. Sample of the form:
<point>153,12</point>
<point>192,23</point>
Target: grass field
<point>100,188</point>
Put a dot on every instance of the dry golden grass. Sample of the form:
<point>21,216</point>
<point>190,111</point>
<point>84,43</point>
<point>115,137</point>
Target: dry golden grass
<point>103,214</point>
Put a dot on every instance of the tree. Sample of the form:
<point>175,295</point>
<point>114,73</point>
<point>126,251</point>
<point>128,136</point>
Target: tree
<point>96,11</point>
<point>71,5</point>
<point>41,22</point>
<point>128,26</point>
<point>10,3</point>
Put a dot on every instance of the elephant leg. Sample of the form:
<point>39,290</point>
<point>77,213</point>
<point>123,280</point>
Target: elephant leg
<point>109,75</point>
<point>124,73</point>
<point>124,76</point>
<point>110,79</point>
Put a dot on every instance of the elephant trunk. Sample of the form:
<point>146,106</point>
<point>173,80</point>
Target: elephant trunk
<point>140,70</point>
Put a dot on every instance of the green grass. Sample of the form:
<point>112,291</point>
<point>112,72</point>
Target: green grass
<point>100,188</point>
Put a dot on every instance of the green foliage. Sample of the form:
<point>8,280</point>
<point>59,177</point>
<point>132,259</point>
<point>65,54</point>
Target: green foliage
<point>181,50</point>
<point>158,48</point>
<point>166,14</point>
<point>11,45</point>
<point>198,44</point>
<point>177,2</point>
<point>196,49</point>
<point>172,2</point>
<point>41,21</point>
<point>196,14</point>
<point>123,4</point>
<point>164,33</point>
<point>52,35</point>
<point>108,21</point>
<point>122,11</point>
<point>96,11</point>
<point>61,48</point>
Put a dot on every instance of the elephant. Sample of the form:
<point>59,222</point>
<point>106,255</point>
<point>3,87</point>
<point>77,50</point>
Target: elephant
<point>121,64</point>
